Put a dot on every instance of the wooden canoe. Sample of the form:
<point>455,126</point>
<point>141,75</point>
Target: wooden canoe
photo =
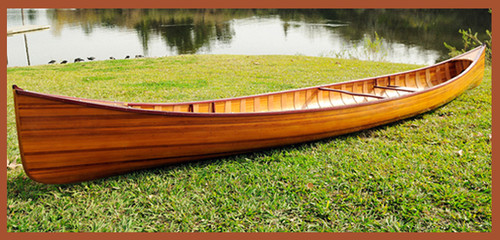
<point>67,139</point>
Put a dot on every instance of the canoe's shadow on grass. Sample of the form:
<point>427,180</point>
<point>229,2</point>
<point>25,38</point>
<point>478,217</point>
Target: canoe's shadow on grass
<point>23,187</point>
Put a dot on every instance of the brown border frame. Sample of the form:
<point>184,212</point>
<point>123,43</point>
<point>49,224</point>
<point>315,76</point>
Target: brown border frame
<point>494,234</point>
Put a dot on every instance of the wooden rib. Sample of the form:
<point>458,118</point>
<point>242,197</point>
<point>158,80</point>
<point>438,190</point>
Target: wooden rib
<point>256,104</point>
<point>235,106</point>
<point>417,80</point>
<point>326,99</point>
<point>196,108</point>
<point>465,64</point>
<point>382,82</point>
<point>353,96</point>
<point>321,100</point>
<point>447,71</point>
<point>283,101</point>
<point>341,96</point>
<point>356,88</point>
<point>313,103</point>
<point>375,91</point>
<point>277,102</point>
<point>408,81</point>
<point>227,107</point>
<point>330,98</point>
<point>459,67</point>
<point>397,81</point>
<point>270,102</point>
<point>365,87</point>
<point>309,103</point>
<point>307,99</point>
<point>453,69</point>
<point>296,100</point>
<point>428,77</point>
<point>243,105</point>
<point>439,74</point>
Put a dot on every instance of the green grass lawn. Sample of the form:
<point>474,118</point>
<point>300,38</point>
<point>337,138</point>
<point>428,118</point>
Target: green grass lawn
<point>430,173</point>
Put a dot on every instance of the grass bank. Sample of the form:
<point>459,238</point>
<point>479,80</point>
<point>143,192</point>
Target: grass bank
<point>428,173</point>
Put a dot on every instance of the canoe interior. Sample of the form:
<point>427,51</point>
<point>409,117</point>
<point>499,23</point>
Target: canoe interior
<point>332,95</point>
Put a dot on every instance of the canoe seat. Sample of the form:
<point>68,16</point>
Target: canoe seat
<point>351,93</point>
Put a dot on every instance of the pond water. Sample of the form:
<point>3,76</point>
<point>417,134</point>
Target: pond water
<point>404,35</point>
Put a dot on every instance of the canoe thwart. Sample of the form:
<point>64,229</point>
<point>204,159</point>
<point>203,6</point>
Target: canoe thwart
<point>352,93</point>
<point>397,88</point>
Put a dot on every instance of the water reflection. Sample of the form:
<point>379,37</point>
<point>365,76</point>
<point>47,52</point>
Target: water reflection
<point>415,36</point>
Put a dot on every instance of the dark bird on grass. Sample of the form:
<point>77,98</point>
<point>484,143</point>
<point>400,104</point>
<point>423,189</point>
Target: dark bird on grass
<point>79,60</point>
<point>127,57</point>
<point>91,58</point>
<point>112,58</point>
<point>139,56</point>
<point>52,61</point>
<point>64,61</point>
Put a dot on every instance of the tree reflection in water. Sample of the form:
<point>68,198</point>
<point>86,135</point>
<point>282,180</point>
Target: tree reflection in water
<point>190,31</point>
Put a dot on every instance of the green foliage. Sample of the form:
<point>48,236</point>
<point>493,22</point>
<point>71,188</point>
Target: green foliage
<point>430,173</point>
<point>372,48</point>
<point>470,40</point>
<point>375,45</point>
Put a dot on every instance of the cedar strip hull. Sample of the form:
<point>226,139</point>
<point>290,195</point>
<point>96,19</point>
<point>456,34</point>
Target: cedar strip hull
<point>65,140</point>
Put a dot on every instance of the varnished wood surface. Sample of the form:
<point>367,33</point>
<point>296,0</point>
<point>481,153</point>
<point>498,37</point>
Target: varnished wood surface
<point>66,139</point>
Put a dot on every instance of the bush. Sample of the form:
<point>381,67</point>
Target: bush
<point>471,41</point>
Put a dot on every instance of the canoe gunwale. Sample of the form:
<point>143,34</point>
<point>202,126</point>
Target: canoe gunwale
<point>122,106</point>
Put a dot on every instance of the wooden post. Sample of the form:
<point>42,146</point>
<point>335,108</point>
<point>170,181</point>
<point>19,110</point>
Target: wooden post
<point>25,40</point>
